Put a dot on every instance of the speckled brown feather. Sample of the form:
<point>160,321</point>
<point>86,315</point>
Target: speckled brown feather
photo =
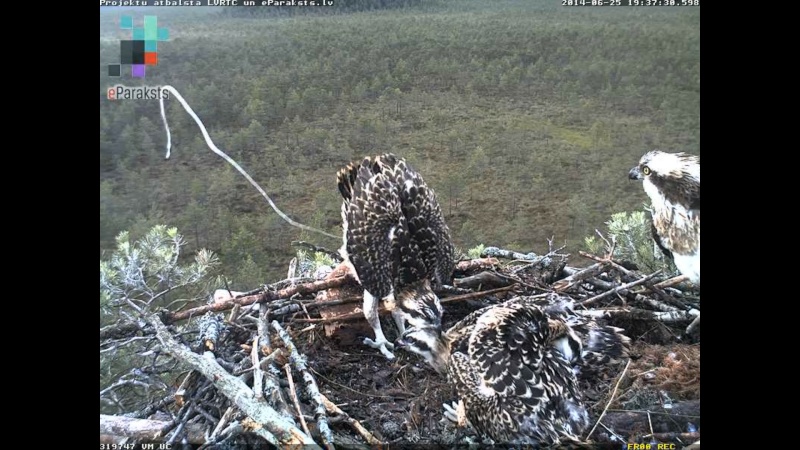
<point>509,369</point>
<point>395,235</point>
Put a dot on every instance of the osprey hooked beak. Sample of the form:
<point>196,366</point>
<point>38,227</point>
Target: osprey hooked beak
<point>635,173</point>
<point>428,342</point>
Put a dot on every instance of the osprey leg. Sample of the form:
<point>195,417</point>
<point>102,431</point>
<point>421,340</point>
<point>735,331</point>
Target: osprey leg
<point>371,312</point>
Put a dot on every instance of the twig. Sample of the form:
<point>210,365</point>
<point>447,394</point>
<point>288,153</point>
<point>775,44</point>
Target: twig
<point>594,299</point>
<point>610,400</point>
<point>148,411</point>
<point>479,294</point>
<point>293,393</point>
<point>612,432</point>
<point>327,380</point>
<point>674,436</point>
<point>299,362</point>
<point>263,328</point>
<point>671,282</point>
<point>655,303</point>
<point>332,408</point>
<point>226,417</point>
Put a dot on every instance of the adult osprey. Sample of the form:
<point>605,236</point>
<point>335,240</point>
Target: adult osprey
<point>398,244</point>
<point>516,368</point>
<point>672,181</point>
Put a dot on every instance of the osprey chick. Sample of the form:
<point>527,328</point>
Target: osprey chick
<point>672,181</point>
<point>398,244</point>
<point>515,367</point>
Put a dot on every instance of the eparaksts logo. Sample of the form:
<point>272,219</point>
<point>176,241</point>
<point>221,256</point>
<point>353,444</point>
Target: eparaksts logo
<point>120,92</point>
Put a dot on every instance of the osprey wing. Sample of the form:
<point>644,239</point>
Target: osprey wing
<point>515,387</point>
<point>657,238</point>
<point>428,236</point>
<point>372,219</point>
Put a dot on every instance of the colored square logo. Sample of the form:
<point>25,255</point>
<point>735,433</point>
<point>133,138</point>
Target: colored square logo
<point>150,28</point>
<point>142,49</point>
<point>137,70</point>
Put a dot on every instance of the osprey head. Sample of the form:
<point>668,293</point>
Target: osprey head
<point>670,178</point>
<point>428,342</point>
<point>666,165</point>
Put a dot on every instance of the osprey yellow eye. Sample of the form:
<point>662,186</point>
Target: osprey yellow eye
<point>646,170</point>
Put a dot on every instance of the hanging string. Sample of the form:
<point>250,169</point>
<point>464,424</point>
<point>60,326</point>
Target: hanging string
<point>227,158</point>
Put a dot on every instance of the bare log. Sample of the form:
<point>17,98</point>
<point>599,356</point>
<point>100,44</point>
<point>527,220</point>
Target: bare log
<point>232,387</point>
<point>143,430</point>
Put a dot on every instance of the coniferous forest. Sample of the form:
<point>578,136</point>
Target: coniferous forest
<point>523,116</point>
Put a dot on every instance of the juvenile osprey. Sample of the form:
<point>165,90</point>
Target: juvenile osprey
<point>515,367</point>
<point>398,244</point>
<point>672,181</point>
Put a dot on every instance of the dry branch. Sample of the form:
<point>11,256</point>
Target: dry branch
<point>295,400</point>
<point>640,314</point>
<point>477,263</point>
<point>233,388</point>
<point>510,254</point>
<point>620,288</point>
<point>578,277</point>
<point>486,278</point>
<point>663,420</point>
<point>119,331</point>
<point>332,408</point>
<point>303,289</point>
<point>675,436</point>
<point>143,430</point>
<point>299,362</point>
<point>383,310</point>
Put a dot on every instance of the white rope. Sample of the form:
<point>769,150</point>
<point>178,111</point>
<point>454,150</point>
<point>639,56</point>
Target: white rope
<point>230,160</point>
